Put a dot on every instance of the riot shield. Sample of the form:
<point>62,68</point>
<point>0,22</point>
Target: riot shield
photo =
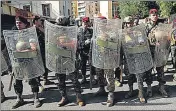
<point>106,44</point>
<point>61,45</point>
<point>163,44</point>
<point>4,66</point>
<point>24,52</point>
<point>136,49</point>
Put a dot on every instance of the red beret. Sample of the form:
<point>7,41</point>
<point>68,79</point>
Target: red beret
<point>153,11</point>
<point>102,17</point>
<point>85,19</point>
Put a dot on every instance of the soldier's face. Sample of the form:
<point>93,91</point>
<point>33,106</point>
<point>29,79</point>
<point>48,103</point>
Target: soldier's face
<point>86,24</point>
<point>154,17</point>
<point>38,22</point>
<point>20,25</point>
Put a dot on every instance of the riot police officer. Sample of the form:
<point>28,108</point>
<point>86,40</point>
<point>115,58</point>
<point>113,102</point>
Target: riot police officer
<point>63,21</point>
<point>41,38</point>
<point>128,22</point>
<point>21,66</point>
<point>85,33</point>
<point>151,25</point>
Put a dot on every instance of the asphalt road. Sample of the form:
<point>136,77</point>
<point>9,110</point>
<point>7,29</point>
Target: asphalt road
<point>51,96</point>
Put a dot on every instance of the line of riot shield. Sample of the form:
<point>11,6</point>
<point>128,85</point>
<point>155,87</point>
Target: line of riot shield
<point>136,49</point>
<point>163,44</point>
<point>61,46</point>
<point>106,44</point>
<point>4,66</point>
<point>24,51</point>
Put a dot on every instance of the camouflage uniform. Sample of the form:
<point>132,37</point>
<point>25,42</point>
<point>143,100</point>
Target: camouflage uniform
<point>83,36</point>
<point>73,76</point>
<point>150,28</point>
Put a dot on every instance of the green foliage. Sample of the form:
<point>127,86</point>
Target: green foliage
<point>133,8</point>
<point>165,8</point>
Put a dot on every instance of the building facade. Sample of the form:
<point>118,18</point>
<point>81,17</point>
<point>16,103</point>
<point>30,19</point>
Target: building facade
<point>92,9</point>
<point>51,9</point>
<point>81,9</point>
<point>109,9</point>
<point>74,8</point>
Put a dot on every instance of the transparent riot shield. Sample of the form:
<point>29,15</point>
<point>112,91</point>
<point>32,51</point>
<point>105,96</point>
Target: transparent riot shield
<point>163,44</point>
<point>4,66</point>
<point>136,49</point>
<point>24,52</point>
<point>61,45</point>
<point>106,44</point>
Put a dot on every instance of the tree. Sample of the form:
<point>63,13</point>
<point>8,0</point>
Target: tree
<point>165,8</point>
<point>133,8</point>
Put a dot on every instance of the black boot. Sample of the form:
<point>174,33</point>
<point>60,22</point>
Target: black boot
<point>79,99</point>
<point>37,102</point>
<point>83,79</point>
<point>130,93</point>
<point>110,100</point>
<point>63,101</point>
<point>19,102</point>
<point>163,91</point>
<point>149,91</point>
<point>100,92</point>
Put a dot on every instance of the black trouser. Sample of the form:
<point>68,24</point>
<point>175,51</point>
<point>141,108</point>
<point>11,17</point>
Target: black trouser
<point>92,68</point>
<point>45,75</point>
<point>18,86</point>
<point>62,85</point>
<point>84,59</point>
<point>160,76</point>
<point>117,73</point>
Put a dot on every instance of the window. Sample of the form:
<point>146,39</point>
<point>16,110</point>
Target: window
<point>46,9</point>
<point>27,8</point>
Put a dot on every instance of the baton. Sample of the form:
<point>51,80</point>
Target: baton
<point>90,77</point>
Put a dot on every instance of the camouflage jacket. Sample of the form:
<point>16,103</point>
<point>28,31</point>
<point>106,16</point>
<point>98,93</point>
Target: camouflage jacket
<point>84,35</point>
<point>150,29</point>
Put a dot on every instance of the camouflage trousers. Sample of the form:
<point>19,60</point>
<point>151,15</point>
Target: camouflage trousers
<point>18,85</point>
<point>62,85</point>
<point>104,75</point>
<point>109,74</point>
